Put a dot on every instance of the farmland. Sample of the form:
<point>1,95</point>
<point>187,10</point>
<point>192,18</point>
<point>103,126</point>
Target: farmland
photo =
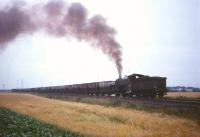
<point>184,95</point>
<point>97,120</point>
<point>13,124</point>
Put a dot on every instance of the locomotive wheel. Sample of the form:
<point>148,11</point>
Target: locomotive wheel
<point>131,95</point>
<point>137,94</point>
<point>160,95</point>
<point>124,95</point>
<point>144,95</point>
<point>153,95</point>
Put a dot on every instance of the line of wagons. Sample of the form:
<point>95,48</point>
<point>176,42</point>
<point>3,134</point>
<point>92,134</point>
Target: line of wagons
<point>132,85</point>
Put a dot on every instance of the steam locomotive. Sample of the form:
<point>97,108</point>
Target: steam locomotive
<point>132,85</point>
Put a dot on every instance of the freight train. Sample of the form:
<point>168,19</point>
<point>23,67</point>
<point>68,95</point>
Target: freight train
<point>133,85</point>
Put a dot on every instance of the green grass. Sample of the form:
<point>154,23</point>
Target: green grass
<point>16,125</point>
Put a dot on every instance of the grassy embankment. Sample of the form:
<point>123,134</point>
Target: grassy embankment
<point>100,121</point>
<point>189,113</point>
<point>16,125</point>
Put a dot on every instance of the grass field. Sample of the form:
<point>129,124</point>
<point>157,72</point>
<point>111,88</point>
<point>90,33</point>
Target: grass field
<point>99,121</point>
<point>185,112</point>
<point>184,95</point>
<point>16,125</point>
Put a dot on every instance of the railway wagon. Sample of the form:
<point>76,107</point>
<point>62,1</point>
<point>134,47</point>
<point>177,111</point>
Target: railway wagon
<point>94,88</point>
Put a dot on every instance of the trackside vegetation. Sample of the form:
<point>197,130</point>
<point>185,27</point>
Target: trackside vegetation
<point>189,113</point>
<point>16,125</point>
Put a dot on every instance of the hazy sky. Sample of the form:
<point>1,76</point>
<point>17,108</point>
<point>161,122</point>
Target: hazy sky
<point>157,38</point>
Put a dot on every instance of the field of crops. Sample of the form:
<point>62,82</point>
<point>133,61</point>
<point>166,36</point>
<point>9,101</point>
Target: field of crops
<point>100,121</point>
<point>16,125</point>
<point>184,95</point>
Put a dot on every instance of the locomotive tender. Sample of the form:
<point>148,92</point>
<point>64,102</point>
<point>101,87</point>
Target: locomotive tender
<point>133,85</point>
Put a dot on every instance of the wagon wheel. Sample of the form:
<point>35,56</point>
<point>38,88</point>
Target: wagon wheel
<point>117,94</point>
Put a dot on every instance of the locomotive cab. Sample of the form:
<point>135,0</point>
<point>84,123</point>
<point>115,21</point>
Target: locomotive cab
<point>147,86</point>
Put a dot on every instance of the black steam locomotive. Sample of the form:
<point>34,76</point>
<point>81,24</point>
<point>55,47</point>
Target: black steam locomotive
<point>133,85</point>
<point>141,86</point>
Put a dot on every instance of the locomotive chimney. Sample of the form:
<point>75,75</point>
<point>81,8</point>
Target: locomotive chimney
<point>120,76</point>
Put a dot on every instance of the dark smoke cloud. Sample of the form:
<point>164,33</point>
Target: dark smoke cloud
<point>59,19</point>
<point>13,22</point>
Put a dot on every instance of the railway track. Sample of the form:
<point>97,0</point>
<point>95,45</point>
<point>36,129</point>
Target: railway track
<point>156,103</point>
<point>169,103</point>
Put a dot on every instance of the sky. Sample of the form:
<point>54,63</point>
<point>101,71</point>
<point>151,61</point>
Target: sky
<point>157,38</point>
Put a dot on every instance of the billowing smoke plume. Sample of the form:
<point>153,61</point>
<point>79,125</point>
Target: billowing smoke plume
<point>60,20</point>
